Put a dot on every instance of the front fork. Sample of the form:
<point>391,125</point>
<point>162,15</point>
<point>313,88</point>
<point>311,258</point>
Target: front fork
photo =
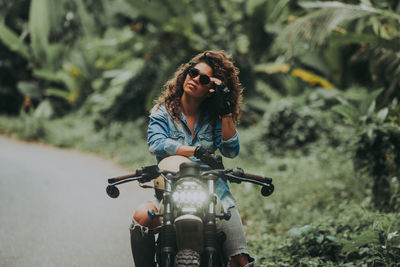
<point>167,233</point>
<point>210,229</point>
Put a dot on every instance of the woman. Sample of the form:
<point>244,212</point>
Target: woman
<point>196,115</point>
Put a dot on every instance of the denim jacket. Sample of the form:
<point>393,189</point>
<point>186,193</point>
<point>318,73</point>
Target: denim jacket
<point>166,135</point>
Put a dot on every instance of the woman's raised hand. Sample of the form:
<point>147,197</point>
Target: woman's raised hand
<point>216,82</point>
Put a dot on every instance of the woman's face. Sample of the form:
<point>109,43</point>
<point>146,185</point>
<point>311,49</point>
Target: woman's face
<point>192,86</point>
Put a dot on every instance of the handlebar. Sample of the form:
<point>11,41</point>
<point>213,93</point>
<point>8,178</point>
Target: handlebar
<point>148,173</point>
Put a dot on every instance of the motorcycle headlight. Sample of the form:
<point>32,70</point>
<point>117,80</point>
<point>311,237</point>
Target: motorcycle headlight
<point>189,196</point>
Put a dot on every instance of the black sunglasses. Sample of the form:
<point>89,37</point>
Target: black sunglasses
<point>204,79</point>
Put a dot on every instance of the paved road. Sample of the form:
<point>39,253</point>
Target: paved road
<point>54,210</point>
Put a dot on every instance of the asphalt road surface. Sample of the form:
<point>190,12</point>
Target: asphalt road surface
<point>54,210</point>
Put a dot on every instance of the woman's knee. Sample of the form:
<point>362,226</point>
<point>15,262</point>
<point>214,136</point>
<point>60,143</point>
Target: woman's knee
<point>141,215</point>
<point>241,260</point>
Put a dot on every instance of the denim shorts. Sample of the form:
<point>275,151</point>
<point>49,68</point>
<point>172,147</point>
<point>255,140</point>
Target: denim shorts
<point>235,243</point>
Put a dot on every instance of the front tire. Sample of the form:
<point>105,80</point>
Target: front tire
<point>187,258</point>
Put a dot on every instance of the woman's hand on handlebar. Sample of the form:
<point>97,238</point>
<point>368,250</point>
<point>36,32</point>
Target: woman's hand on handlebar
<point>212,160</point>
<point>202,154</point>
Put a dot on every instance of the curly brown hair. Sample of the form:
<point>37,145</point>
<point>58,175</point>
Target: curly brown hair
<point>223,68</point>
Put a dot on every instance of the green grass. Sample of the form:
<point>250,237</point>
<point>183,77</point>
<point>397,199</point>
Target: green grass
<point>319,215</point>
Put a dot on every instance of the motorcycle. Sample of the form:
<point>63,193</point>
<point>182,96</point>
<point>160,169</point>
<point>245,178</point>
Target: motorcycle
<point>190,209</point>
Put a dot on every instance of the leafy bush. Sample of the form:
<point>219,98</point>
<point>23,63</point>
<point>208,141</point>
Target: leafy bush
<point>376,146</point>
<point>378,155</point>
<point>24,127</point>
<point>308,241</point>
<point>354,236</point>
<point>291,125</point>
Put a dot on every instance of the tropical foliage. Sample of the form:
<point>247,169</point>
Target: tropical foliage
<point>104,56</point>
<point>321,111</point>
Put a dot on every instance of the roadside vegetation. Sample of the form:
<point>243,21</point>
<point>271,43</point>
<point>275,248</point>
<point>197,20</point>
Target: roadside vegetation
<point>321,112</point>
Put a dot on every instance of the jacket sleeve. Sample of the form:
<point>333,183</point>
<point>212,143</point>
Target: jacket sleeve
<point>229,148</point>
<point>158,134</point>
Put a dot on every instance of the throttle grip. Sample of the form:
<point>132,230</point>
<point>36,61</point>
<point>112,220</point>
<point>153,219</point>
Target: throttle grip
<point>118,178</point>
<point>240,172</point>
<point>258,178</point>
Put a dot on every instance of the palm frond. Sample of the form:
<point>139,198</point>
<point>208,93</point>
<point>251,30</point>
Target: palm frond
<point>362,7</point>
<point>39,28</point>
<point>316,26</point>
<point>13,41</point>
<point>278,10</point>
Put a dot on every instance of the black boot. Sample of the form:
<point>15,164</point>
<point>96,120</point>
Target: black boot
<point>143,246</point>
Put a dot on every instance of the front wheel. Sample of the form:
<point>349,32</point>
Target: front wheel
<point>187,258</point>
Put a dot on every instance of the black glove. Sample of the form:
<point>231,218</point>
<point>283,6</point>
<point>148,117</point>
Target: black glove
<point>221,100</point>
<point>212,160</point>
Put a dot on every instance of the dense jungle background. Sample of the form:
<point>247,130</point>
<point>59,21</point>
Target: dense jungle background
<point>321,112</point>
